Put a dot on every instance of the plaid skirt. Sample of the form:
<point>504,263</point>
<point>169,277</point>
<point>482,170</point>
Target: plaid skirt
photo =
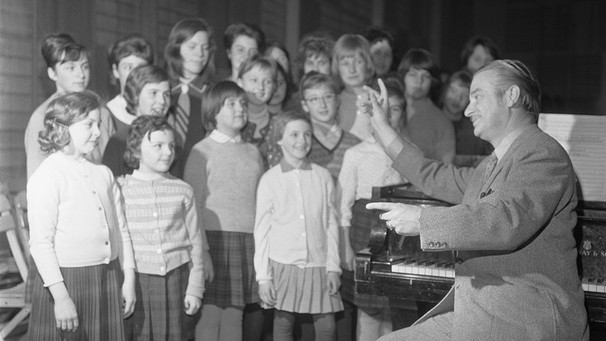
<point>359,235</point>
<point>234,285</point>
<point>159,312</point>
<point>303,290</point>
<point>97,295</point>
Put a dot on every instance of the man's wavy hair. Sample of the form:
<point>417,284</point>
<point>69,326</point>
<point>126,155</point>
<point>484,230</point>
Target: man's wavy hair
<point>62,112</point>
<point>513,72</point>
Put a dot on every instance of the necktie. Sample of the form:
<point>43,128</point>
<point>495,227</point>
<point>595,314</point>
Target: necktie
<point>182,113</point>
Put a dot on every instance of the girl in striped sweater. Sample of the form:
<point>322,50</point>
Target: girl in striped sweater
<point>162,219</point>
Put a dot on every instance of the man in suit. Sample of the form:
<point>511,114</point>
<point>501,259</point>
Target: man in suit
<point>511,225</point>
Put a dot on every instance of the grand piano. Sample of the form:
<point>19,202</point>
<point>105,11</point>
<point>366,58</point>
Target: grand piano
<point>395,266</point>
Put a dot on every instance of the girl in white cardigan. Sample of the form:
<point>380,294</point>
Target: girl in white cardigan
<point>83,288</point>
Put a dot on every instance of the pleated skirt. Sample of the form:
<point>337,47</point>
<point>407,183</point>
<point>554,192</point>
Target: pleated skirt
<point>303,290</point>
<point>159,312</point>
<point>97,294</point>
<point>234,285</point>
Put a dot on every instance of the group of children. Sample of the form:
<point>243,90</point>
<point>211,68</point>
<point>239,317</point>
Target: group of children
<point>218,197</point>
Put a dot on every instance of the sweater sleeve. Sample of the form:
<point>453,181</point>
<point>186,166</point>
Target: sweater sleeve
<point>265,210</point>
<point>195,286</point>
<point>43,210</point>
<point>127,256</point>
<point>195,175</point>
<point>347,188</point>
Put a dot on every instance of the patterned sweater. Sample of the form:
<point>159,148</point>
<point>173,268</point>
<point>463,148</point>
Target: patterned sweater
<point>162,219</point>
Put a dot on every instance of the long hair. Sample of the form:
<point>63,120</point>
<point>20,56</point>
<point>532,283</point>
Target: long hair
<point>183,31</point>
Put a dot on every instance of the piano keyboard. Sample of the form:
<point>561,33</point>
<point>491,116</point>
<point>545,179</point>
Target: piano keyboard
<point>594,285</point>
<point>424,268</point>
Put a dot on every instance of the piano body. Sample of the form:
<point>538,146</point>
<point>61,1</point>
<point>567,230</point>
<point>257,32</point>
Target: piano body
<point>395,266</point>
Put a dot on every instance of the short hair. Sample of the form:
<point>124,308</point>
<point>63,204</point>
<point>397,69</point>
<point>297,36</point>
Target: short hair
<point>261,62</point>
<point>316,79</point>
<point>183,31</point>
<point>62,112</point>
<point>514,72</point>
<point>352,43</point>
<point>59,48</point>
<point>214,98</point>
<point>131,45</point>
<point>137,79</point>
<point>394,79</point>
<point>253,31</point>
<point>290,86</point>
<point>142,126</point>
<point>376,34</point>
<point>424,60</point>
<point>314,44</point>
<point>278,45</point>
<point>474,41</point>
<point>282,119</point>
<point>461,76</point>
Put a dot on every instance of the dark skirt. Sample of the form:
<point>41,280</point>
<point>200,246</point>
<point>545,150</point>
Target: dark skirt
<point>159,312</point>
<point>234,285</point>
<point>97,294</point>
<point>359,235</point>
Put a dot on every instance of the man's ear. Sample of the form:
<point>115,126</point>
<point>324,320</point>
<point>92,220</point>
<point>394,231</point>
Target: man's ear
<point>512,95</point>
<point>52,74</point>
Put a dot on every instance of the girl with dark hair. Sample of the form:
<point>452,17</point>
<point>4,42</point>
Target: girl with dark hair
<point>189,54</point>
<point>428,128</point>
<point>224,171</point>
<point>146,93</point>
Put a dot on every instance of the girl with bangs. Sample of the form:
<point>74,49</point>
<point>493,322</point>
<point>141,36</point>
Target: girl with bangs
<point>68,67</point>
<point>352,67</point>
<point>427,126</point>
<point>224,171</point>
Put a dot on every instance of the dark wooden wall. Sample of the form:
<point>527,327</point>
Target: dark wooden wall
<point>561,39</point>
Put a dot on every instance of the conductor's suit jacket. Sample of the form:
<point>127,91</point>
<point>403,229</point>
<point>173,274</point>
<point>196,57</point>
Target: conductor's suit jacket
<point>513,236</point>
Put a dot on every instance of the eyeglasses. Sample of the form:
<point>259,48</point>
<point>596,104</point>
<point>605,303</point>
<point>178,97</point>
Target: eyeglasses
<point>329,98</point>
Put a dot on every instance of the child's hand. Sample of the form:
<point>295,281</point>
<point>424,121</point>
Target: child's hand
<point>333,280</point>
<point>129,297</point>
<point>66,315</point>
<point>349,258</point>
<point>192,304</point>
<point>209,271</point>
<point>268,293</point>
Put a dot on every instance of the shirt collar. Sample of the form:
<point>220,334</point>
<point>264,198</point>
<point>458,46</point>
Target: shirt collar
<point>507,141</point>
<point>118,108</point>
<point>220,137</point>
<point>287,167</point>
<point>137,174</point>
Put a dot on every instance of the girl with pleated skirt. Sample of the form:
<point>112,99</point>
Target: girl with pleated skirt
<point>78,235</point>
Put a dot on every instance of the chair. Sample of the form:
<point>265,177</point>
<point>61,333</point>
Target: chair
<point>20,204</point>
<point>13,297</point>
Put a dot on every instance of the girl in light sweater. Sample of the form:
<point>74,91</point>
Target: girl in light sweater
<point>169,247</point>
<point>224,172</point>
<point>77,231</point>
